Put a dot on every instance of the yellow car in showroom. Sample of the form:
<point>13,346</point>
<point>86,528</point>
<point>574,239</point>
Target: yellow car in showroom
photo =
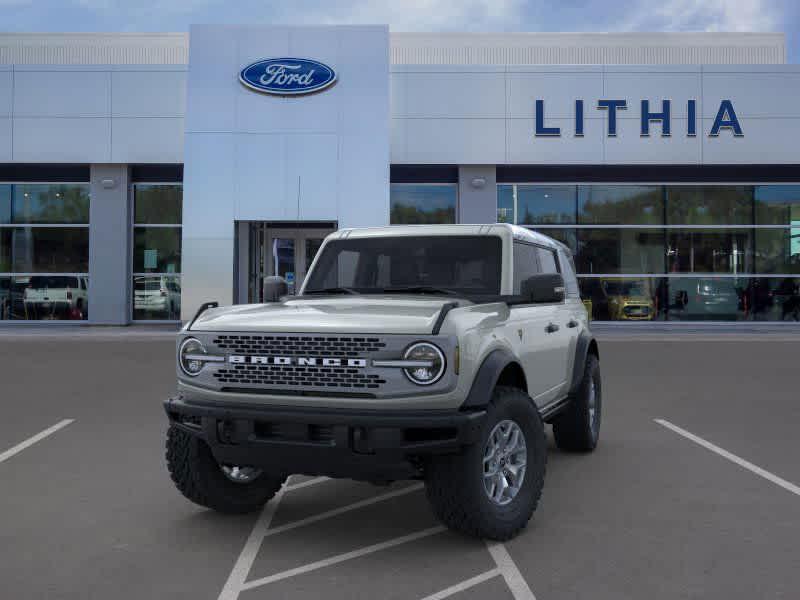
<point>628,299</point>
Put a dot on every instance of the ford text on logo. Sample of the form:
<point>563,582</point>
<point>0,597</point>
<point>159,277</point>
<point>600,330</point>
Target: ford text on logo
<point>300,361</point>
<point>725,120</point>
<point>287,76</point>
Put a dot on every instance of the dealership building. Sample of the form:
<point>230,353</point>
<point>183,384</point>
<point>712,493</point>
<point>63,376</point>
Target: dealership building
<point>144,174</point>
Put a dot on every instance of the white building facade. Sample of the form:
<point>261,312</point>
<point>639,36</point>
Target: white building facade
<point>141,175</point>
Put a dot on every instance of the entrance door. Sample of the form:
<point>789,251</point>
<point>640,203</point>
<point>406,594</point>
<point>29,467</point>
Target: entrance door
<point>286,250</point>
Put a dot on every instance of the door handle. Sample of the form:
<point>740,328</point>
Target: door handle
<point>572,323</point>
<point>551,328</point>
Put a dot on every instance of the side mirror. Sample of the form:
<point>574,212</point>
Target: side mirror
<point>274,287</point>
<point>543,287</point>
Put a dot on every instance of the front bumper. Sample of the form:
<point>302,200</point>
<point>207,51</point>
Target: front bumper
<point>356,444</point>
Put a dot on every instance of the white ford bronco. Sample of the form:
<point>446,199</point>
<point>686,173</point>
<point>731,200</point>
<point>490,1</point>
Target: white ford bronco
<point>410,352</point>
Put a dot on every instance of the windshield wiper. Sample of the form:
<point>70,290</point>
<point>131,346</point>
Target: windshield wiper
<point>331,290</point>
<point>420,289</point>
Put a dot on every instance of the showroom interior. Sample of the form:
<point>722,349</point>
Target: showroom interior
<point>116,206</point>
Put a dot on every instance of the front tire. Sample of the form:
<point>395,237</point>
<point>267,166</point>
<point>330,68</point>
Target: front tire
<point>199,477</point>
<point>461,488</point>
<point>577,429</point>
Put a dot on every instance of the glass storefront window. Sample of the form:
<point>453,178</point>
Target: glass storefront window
<point>778,250</point>
<point>44,204</point>
<point>625,298</point>
<point>620,204</point>
<point>568,237</point>
<point>158,204</point>
<point>723,252</point>
<point>609,251</point>
<point>708,299</point>
<point>775,299</point>
<point>44,297</point>
<point>44,250</point>
<point>5,203</point>
<point>505,204</point>
<point>157,213</point>
<point>421,203</point>
<point>709,205</point>
<point>710,251</point>
<point>778,205</point>
<point>157,250</point>
<point>539,204</point>
<point>156,297</point>
<point>43,263</point>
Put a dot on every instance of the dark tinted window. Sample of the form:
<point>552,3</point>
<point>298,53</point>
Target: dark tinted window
<point>526,263</point>
<point>468,265</point>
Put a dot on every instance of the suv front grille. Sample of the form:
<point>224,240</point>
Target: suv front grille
<point>291,345</point>
<point>296,376</point>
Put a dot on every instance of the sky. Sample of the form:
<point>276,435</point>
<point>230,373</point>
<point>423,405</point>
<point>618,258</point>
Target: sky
<point>414,15</point>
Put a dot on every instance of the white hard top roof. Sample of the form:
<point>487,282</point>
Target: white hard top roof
<point>499,229</point>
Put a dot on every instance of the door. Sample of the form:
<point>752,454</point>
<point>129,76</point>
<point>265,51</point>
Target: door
<point>542,336</point>
<point>284,250</point>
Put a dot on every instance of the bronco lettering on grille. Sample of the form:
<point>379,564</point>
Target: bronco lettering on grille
<point>300,361</point>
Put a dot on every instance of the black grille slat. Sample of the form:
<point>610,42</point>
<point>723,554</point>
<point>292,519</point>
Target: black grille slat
<point>293,375</point>
<point>330,346</point>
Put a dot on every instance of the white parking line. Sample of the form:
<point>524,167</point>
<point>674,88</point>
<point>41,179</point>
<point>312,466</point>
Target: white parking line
<point>33,439</point>
<point>790,487</point>
<point>510,572</point>
<point>333,560</point>
<point>243,564</point>
<point>464,585</point>
<point>306,483</point>
<point>343,509</point>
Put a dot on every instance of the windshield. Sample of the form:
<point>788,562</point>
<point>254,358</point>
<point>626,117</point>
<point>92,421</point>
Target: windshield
<point>40,282</point>
<point>625,288</point>
<point>467,265</point>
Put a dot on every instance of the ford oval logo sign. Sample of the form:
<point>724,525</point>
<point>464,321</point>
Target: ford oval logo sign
<point>287,76</point>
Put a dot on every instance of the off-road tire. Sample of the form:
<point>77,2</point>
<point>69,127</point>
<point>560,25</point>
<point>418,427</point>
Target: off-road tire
<point>198,477</point>
<point>454,483</point>
<point>573,429</point>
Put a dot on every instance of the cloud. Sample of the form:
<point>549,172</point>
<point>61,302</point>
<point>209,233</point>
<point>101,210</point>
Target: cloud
<point>705,15</point>
<point>415,15</point>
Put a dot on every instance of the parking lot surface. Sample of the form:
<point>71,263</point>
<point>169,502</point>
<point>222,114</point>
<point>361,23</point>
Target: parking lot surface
<point>87,509</point>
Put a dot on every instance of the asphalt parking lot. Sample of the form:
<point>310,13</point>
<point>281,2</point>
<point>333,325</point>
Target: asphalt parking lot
<point>692,492</point>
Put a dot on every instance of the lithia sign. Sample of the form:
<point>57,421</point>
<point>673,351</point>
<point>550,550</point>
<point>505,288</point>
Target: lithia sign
<point>726,119</point>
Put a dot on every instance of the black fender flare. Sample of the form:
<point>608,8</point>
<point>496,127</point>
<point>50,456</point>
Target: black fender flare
<point>486,378</point>
<point>585,341</point>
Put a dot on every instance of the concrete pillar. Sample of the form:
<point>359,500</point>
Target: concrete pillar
<point>109,245</point>
<point>477,194</point>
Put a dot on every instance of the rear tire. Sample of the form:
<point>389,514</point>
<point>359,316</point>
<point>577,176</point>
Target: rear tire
<point>455,483</point>
<point>577,429</point>
<point>198,476</point>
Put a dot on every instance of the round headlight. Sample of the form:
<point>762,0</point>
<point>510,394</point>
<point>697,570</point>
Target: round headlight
<point>430,363</point>
<point>190,356</point>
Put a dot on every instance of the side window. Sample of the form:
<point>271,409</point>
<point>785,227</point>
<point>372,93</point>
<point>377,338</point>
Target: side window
<point>568,269</point>
<point>547,260</point>
<point>526,263</point>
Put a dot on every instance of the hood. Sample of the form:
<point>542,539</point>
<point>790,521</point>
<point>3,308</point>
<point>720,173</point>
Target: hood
<point>632,299</point>
<point>331,314</point>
